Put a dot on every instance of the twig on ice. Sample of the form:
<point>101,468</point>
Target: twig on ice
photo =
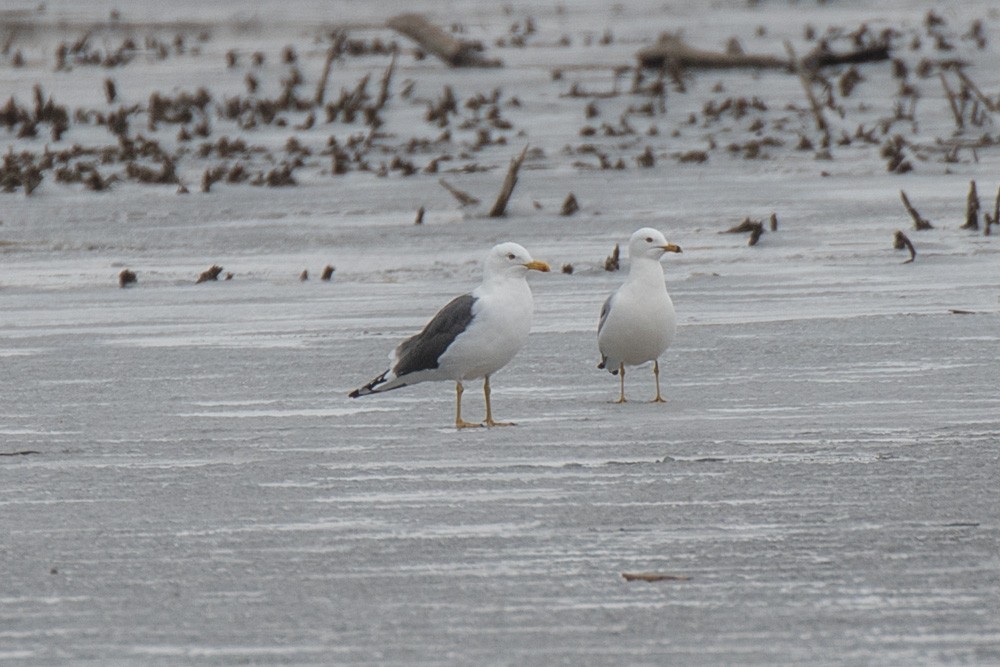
<point>747,225</point>
<point>814,105</point>
<point>900,242</point>
<point>951,102</point>
<point>987,102</point>
<point>755,227</point>
<point>821,57</point>
<point>454,52</point>
<point>971,208</point>
<point>464,198</point>
<point>383,92</point>
<point>995,219</point>
<point>653,576</point>
<point>508,185</point>
<point>919,223</point>
<point>672,51</point>
<point>332,53</point>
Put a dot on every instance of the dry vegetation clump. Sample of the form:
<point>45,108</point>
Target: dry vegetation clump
<point>211,273</point>
<point>754,227</point>
<point>126,278</point>
<point>613,261</point>
<point>377,125</point>
<point>20,171</point>
<point>569,206</point>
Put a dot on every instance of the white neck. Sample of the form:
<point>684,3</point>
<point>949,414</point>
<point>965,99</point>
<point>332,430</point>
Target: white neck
<point>645,267</point>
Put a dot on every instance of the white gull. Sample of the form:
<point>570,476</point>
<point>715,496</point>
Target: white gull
<point>638,321</point>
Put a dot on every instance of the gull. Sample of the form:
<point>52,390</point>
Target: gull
<point>472,337</point>
<point>638,321</point>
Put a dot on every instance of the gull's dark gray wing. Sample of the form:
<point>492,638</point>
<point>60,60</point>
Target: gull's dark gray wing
<point>605,309</point>
<point>421,352</point>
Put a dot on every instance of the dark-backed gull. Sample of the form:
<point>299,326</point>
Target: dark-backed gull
<point>473,336</point>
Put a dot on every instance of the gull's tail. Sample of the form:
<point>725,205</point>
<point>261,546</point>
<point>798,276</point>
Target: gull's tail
<point>604,364</point>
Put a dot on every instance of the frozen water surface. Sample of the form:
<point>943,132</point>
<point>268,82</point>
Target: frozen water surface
<point>184,480</point>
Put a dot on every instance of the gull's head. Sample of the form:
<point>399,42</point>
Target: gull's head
<point>511,258</point>
<point>651,243</point>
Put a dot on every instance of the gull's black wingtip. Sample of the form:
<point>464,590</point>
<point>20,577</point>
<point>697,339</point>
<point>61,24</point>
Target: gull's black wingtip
<point>368,388</point>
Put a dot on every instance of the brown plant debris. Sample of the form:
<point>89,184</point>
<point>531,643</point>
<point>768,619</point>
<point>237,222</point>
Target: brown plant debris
<point>570,205</point>
<point>754,227</point>
<point>275,178</point>
<point>567,269</point>
<point>919,223</point>
<point>304,276</point>
<point>165,174</point>
<point>211,273</point>
<point>822,56</point>
<point>19,170</point>
<point>383,92</point>
<point>110,91</point>
<point>806,80</point>
<point>420,216</point>
<point>327,274</point>
<point>970,85</point>
<point>892,151</point>
<point>438,112</point>
<point>211,176</point>
<point>612,262</point>
<point>848,80</point>
<point>507,189</point>
<point>747,225</point>
<point>995,218</point>
<point>693,156</point>
<point>901,241</point>
<point>332,54</point>
<point>672,51</point>
<point>126,278</point>
<point>971,208</point>
<point>646,159</point>
<point>653,576</point>
<point>952,102</point>
<point>464,198</point>
<point>453,52</point>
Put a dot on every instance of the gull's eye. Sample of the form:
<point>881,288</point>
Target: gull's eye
<point>510,256</point>
<point>649,239</point>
